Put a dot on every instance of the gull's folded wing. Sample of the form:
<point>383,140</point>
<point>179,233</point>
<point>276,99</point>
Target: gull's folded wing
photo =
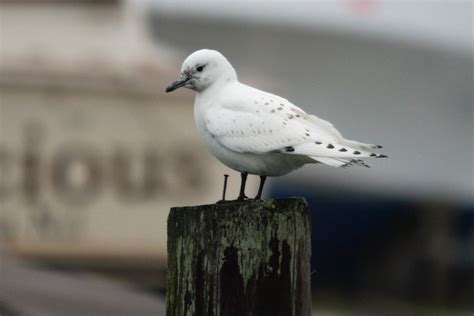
<point>264,123</point>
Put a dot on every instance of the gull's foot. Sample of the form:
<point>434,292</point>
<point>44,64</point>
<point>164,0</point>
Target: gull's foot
<point>242,198</point>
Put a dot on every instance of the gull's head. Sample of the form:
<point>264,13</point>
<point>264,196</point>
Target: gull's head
<point>202,69</point>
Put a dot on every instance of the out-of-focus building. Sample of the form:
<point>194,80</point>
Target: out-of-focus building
<point>92,152</point>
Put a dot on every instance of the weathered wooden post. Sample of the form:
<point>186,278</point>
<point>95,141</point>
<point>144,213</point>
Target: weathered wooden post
<point>239,258</point>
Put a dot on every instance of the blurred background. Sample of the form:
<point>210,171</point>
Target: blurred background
<point>93,153</point>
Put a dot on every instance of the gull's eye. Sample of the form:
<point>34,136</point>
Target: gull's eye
<point>200,68</point>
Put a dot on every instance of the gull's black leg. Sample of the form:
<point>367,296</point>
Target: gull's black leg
<point>242,196</point>
<point>260,187</point>
<point>224,190</point>
<point>226,176</point>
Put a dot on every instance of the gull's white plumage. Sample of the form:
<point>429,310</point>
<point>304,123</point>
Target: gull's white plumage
<point>256,132</point>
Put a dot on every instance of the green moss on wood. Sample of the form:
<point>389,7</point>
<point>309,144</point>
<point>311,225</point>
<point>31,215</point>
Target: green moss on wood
<point>251,239</point>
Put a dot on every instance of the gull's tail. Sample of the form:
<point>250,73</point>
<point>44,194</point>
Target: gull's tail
<point>343,154</point>
<point>341,162</point>
<point>359,145</point>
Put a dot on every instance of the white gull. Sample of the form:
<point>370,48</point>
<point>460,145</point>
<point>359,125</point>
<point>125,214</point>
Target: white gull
<point>256,132</point>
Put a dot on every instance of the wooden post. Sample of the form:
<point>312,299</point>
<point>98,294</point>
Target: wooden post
<point>239,258</point>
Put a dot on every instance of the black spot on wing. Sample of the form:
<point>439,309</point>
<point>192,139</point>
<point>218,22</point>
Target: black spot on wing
<point>330,146</point>
<point>289,149</point>
<point>342,150</point>
<point>356,152</point>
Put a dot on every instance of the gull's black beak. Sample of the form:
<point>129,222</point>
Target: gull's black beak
<point>178,83</point>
